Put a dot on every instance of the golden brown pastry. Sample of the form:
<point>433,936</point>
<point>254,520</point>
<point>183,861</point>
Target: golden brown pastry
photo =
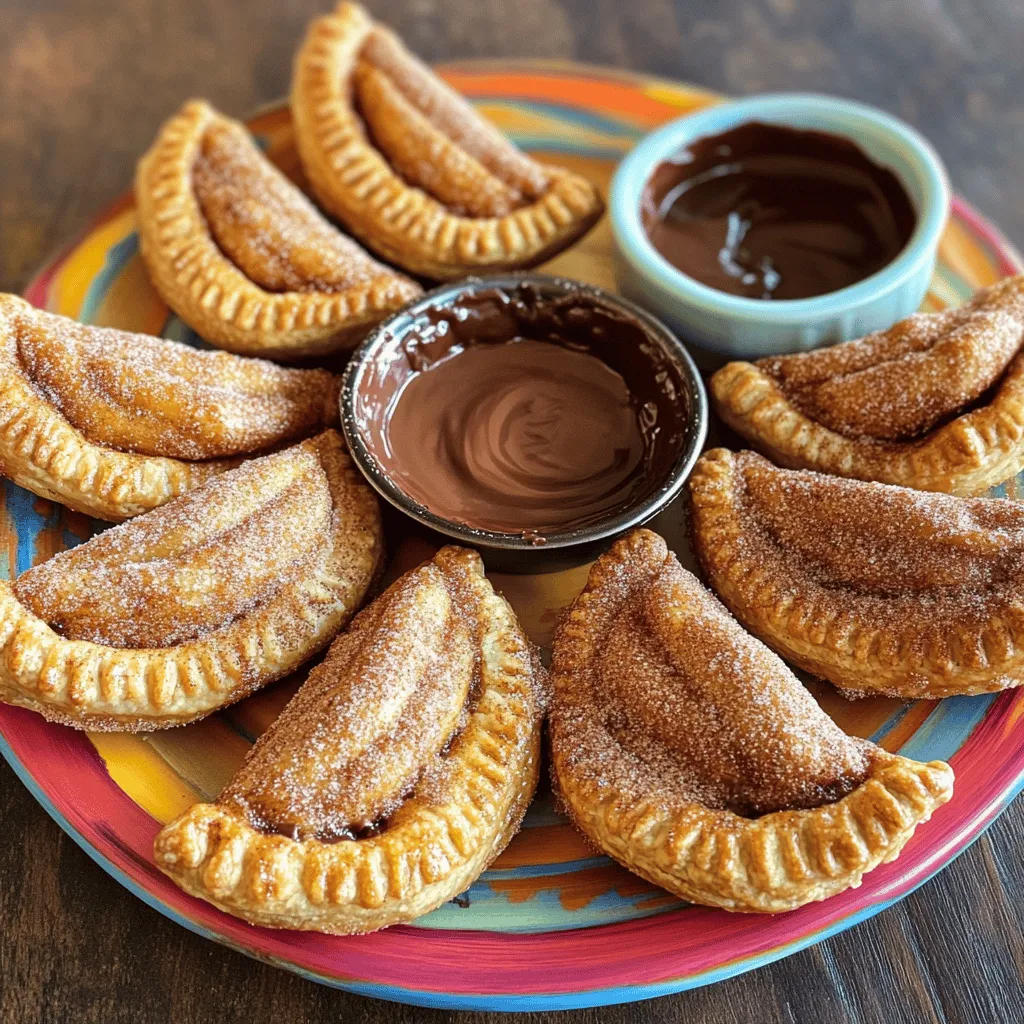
<point>242,256</point>
<point>168,617</point>
<point>685,749</point>
<point>112,423</point>
<point>395,775</point>
<point>873,587</point>
<point>409,166</point>
<point>935,402</point>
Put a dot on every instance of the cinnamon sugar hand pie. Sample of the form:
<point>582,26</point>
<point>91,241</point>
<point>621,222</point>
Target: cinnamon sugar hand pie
<point>685,749</point>
<point>242,256</point>
<point>935,402</point>
<point>873,587</point>
<point>409,166</point>
<point>395,775</point>
<point>112,423</point>
<point>190,607</point>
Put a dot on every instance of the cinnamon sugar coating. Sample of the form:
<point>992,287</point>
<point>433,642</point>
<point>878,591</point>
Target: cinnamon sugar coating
<point>935,402</point>
<point>265,225</point>
<point>873,587</point>
<point>113,423</point>
<point>686,750</point>
<point>411,168</point>
<point>240,254</point>
<point>399,770</point>
<point>170,616</point>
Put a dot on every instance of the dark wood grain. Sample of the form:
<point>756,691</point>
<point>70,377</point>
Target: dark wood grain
<point>82,89</point>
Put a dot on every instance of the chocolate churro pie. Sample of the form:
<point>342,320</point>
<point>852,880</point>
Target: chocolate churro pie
<point>935,402</point>
<point>112,423</point>
<point>686,750</point>
<point>242,256</point>
<point>411,169</point>
<point>873,587</point>
<point>395,775</point>
<point>168,617</point>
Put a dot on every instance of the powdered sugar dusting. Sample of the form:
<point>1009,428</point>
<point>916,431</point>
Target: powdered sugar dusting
<point>195,564</point>
<point>266,226</point>
<point>155,397</point>
<point>372,723</point>
<point>661,694</point>
<point>899,383</point>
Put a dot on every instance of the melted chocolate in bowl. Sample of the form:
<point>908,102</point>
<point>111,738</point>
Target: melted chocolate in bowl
<point>769,212</point>
<point>518,413</point>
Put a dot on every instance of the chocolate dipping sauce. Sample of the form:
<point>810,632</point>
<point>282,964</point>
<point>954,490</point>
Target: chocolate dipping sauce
<point>770,212</point>
<point>516,413</point>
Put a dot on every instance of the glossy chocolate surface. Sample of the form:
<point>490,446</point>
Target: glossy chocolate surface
<point>516,413</point>
<point>770,212</point>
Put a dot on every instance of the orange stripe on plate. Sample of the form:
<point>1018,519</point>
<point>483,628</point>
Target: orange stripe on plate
<point>605,97</point>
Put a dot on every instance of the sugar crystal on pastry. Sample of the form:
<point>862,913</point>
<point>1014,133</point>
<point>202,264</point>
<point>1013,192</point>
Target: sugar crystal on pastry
<point>399,770</point>
<point>240,254</point>
<point>871,586</point>
<point>157,397</point>
<point>194,605</point>
<point>935,402</point>
<point>686,750</point>
<point>412,169</point>
<point>266,225</point>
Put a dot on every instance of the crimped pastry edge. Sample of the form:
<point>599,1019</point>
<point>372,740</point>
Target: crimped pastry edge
<point>820,632</point>
<point>93,686</point>
<point>399,221</point>
<point>210,293</point>
<point>41,451</point>
<point>769,864</point>
<point>966,456</point>
<point>430,851</point>
<point>777,862</point>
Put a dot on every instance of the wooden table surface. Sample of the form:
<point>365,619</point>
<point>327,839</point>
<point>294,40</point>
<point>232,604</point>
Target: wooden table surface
<point>83,86</point>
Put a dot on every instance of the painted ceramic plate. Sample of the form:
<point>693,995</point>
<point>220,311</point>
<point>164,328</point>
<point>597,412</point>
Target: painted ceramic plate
<point>550,925</point>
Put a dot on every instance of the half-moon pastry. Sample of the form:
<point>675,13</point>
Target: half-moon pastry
<point>112,423</point>
<point>873,587</point>
<point>411,168</point>
<point>683,748</point>
<point>242,256</point>
<point>396,774</point>
<point>935,402</point>
<point>176,613</point>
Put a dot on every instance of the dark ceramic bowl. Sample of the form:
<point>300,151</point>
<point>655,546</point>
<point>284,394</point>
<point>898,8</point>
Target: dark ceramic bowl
<point>512,552</point>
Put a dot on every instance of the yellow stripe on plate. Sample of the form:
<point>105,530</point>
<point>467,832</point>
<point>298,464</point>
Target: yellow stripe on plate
<point>68,291</point>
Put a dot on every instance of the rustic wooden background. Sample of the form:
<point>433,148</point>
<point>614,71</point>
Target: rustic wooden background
<point>83,85</point>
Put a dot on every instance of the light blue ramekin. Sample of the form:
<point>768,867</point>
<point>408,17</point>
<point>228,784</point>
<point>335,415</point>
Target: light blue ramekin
<point>739,327</point>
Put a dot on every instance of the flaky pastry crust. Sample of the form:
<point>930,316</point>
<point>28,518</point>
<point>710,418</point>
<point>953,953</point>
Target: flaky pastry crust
<point>113,424</point>
<point>872,587</point>
<point>408,186</point>
<point>101,684</point>
<point>935,403</point>
<point>340,747</point>
<point>685,749</point>
<point>215,296</point>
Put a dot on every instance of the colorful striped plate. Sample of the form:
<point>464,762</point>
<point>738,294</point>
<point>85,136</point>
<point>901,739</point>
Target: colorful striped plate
<point>550,925</point>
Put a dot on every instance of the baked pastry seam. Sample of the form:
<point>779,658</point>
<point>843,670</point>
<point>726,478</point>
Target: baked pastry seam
<point>399,220</point>
<point>42,450</point>
<point>619,789</point>
<point>979,447</point>
<point>433,845</point>
<point>962,633</point>
<point>104,687</point>
<point>210,292</point>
